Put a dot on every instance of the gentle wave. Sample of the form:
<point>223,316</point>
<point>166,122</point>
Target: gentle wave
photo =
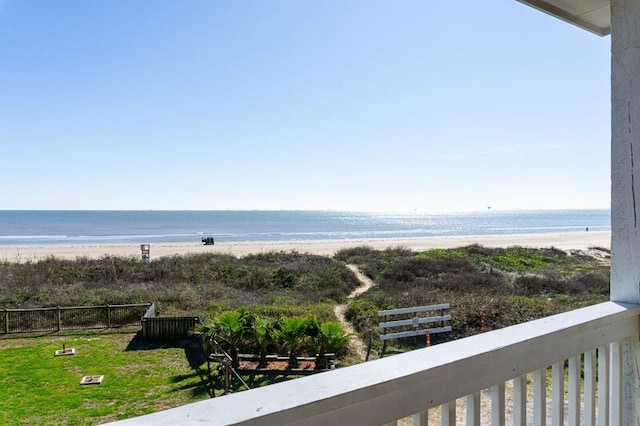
<point>100,227</point>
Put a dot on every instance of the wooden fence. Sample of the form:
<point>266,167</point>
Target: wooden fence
<point>71,318</point>
<point>160,328</point>
<point>61,318</point>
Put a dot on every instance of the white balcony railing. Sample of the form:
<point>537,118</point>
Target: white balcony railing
<point>506,371</point>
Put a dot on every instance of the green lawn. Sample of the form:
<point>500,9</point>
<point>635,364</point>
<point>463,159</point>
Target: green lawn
<point>38,388</point>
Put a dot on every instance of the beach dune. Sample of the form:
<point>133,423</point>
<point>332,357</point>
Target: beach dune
<point>563,241</point>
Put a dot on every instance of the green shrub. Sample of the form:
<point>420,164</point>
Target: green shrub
<point>362,312</point>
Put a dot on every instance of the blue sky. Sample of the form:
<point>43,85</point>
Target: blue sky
<point>286,104</point>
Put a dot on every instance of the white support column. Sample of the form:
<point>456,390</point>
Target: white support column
<point>625,151</point>
<point>625,184</point>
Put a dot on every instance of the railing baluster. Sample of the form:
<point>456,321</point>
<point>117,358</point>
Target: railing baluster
<point>603,386</point>
<point>557,393</point>
<point>574,391</point>
<point>520,401</point>
<point>448,415</point>
<point>590,388</point>
<point>473,409</point>
<point>540,397</point>
<point>615,395</point>
<point>497,405</point>
<point>420,419</point>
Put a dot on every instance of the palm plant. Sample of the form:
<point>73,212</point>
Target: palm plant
<point>265,332</point>
<point>229,328</point>
<point>205,333</point>
<point>293,334</point>
<point>327,336</point>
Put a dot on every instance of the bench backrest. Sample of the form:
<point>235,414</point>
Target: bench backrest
<point>415,321</point>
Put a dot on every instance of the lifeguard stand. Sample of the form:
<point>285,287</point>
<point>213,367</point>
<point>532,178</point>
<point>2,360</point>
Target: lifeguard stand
<point>145,252</point>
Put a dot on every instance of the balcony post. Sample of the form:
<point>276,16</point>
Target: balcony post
<point>625,184</point>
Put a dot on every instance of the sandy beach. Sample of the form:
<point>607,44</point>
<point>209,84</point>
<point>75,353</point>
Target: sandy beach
<point>564,241</point>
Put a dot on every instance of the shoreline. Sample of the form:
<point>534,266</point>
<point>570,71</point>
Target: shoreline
<point>563,241</point>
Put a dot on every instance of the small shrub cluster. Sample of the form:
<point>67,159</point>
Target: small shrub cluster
<point>362,312</point>
<point>584,283</point>
<point>516,259</point>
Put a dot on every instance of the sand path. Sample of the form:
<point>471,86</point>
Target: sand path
<point>356,343</point>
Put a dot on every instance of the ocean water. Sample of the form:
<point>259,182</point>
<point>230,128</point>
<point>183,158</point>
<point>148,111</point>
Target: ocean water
<point>103,227</point>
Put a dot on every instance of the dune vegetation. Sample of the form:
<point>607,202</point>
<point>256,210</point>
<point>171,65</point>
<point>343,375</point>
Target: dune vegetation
<point>506,285</point>
<point>281,291</point>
